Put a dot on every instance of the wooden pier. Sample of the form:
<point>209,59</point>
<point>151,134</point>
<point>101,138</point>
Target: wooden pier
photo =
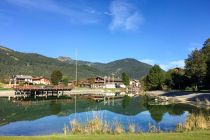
<point>42,91</point>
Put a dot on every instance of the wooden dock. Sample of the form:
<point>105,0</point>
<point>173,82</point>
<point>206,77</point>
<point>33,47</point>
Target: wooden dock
<point>42,91</point>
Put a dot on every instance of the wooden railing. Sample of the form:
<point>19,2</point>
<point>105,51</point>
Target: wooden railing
<point>31,87</point>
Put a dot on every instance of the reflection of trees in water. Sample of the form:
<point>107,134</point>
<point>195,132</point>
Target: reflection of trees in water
<point>55,107</point>
<point>157,111</point>
<point>125,101</point>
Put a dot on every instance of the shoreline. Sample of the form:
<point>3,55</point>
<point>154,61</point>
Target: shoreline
<point>170,96</point>
<point>182,97</point>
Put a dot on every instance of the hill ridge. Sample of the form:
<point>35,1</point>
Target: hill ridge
<point>13,62</point>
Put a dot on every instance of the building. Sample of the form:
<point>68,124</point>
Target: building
<point>21,79</point>
<point>96,82</point>
<point>134,83</point>
<point>101,82</point>
<point>83,83</point>
<point>109,85</point>
<point>41,80</point>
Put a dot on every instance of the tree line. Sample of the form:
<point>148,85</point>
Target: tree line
<point>194,76</point>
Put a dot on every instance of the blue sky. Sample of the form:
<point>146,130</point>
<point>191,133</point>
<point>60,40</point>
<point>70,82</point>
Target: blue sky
<point>160,32</point>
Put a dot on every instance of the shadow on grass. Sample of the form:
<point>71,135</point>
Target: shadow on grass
<point>202,97</point>
<point>176,93</point>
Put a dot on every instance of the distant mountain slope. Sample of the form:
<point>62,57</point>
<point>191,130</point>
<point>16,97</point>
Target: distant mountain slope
<point>133,67</point>
<point>13,62</point>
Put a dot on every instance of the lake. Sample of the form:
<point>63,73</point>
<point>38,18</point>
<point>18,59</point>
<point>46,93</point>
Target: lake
<point>45,117</point>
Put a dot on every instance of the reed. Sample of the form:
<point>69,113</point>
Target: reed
<point>153,129</point>
<point>118,128</point>
<point>194,122</point>
<point>94,126</point>
<point>76,128</point>
<point>131,128</point>
<point>207,102</point>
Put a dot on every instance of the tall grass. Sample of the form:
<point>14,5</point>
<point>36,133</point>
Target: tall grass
<point>97,126</point>
<point>131,128</point>
<point>94,126</point>
<point>194,122</point>
<point>207,102</point>
<point>118,128</point>
<point>153,129</point>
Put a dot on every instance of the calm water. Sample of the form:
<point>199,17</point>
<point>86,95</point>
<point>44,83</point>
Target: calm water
<point>50,116</point>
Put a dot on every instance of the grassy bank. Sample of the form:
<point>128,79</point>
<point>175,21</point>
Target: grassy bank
<point>193,135</point>
<point>2,89</point>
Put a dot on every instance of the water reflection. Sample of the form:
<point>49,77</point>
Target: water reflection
<point>55,107</point>
<point>46,117</point>
<point>125,101</point>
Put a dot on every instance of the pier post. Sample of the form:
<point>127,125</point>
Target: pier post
<point>34,94</point>
<point>112,101</point>
<point>58,94</point>
<point>24,95</point>
<point>104,100</point>
<point>46,94</point>
<point>108,101</point>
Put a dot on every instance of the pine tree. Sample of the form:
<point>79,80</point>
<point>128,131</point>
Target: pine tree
<point>156,78</point>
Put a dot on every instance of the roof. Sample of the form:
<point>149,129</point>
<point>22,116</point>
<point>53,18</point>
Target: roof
<point>39,78</point>
<point>23,76</point>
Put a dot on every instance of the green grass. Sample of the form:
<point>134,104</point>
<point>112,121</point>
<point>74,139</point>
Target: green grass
<point>5,89</point>
<point>195,135</point>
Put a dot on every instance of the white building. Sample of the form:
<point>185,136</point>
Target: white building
<point>17,79</point>
<point>109,85</point>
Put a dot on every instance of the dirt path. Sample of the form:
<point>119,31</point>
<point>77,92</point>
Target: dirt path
<point>7,93</point>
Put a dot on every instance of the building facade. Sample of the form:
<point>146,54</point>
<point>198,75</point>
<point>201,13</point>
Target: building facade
<point>22,79</point>
<point>41,80</point>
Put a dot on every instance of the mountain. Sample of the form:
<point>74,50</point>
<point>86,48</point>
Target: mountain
<point>133,67</point>
<point>14,62</point>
